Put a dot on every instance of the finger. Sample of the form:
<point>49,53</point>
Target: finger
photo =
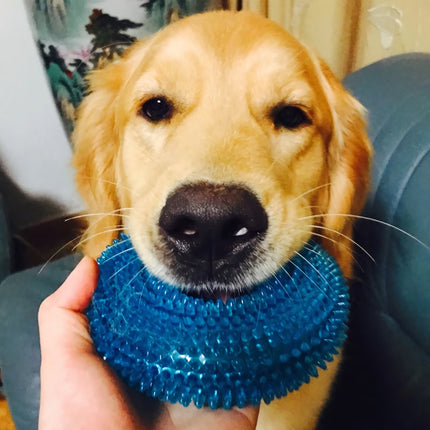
<point>191,418</point>
<point>76,292</point>
<point>62,312</point>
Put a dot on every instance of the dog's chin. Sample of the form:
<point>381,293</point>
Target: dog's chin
<point>221,285</point>
<point>210,280</point>
<point>213,292</point>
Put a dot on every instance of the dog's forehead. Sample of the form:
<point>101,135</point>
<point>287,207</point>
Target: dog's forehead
<point>229,39</point>
<point>235,53</point>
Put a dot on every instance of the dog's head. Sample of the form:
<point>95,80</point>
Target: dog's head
<point>221,145</point>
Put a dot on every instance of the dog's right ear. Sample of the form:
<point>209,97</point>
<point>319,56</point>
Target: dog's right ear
<point>349,163</point>
<point>96,143</point>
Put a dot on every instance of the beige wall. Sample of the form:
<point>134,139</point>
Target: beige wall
<point>349,34</point>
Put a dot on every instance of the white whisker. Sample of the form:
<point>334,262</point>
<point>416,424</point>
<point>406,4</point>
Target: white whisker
<point>365,218</point>
<point>292,280</point>
<point>306,275</point>
<point>100,214</point>
<point>100,233</point>
<point>311,191</point>
<point>330,239</point>
<point>106,181</point>
<point>124,267</point>
<point>310,249</point>
<point>316,270</point>
<point>58,251</point>
<point>345,237</point>
<point>135,276</point>
<point>119,253</point>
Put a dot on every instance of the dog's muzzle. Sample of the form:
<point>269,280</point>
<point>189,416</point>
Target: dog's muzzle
<point>210,230</point>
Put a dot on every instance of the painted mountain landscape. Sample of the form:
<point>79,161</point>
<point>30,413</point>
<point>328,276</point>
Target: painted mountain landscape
<point>76,36</point>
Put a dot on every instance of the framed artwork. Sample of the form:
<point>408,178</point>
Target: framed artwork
<point>76,36</point>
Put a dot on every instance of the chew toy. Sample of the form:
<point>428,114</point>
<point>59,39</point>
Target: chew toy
<point>255,347</point>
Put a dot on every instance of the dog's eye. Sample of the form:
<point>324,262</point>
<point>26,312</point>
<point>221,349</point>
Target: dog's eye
<point>156,109</point>
<point>289,116</point>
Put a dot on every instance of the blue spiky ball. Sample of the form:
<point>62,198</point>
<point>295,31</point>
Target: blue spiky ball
<point>256,347</point>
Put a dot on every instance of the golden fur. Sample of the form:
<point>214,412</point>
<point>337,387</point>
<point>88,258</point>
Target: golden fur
<point>224,73</point>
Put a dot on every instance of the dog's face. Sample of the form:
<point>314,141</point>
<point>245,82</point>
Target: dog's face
<point>225,146</point>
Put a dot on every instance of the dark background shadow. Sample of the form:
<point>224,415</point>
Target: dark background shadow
<point>39,230</point>
<point>31,210</point>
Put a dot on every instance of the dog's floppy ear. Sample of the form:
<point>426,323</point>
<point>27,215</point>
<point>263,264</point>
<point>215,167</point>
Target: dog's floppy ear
<point>96,144</point>
<point>349,160</point>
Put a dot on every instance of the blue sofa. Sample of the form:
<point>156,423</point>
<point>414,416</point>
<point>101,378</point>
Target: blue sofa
<point>384,381</point>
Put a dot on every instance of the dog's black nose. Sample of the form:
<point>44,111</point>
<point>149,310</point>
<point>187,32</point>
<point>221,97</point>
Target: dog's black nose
<point>205,223</point>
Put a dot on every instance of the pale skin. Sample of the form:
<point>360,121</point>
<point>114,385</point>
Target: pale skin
<point>80,391</point>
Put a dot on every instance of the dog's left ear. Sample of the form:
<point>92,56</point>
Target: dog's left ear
<point>349,160</point>
<point>96,146</point>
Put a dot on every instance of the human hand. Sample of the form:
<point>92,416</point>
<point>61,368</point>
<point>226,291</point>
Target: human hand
<point>80,391</point>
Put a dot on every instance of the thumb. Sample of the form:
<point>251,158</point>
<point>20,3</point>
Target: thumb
<point>179,417</point>
<point>65,308</point>
<point>76,292</point>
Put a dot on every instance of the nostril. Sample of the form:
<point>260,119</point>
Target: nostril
<point>238,229</point>
<point>241,232</point>
<point>189,231</point>
<point>179,227</point>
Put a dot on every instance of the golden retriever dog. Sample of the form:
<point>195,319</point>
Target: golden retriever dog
<point>221,145</point>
